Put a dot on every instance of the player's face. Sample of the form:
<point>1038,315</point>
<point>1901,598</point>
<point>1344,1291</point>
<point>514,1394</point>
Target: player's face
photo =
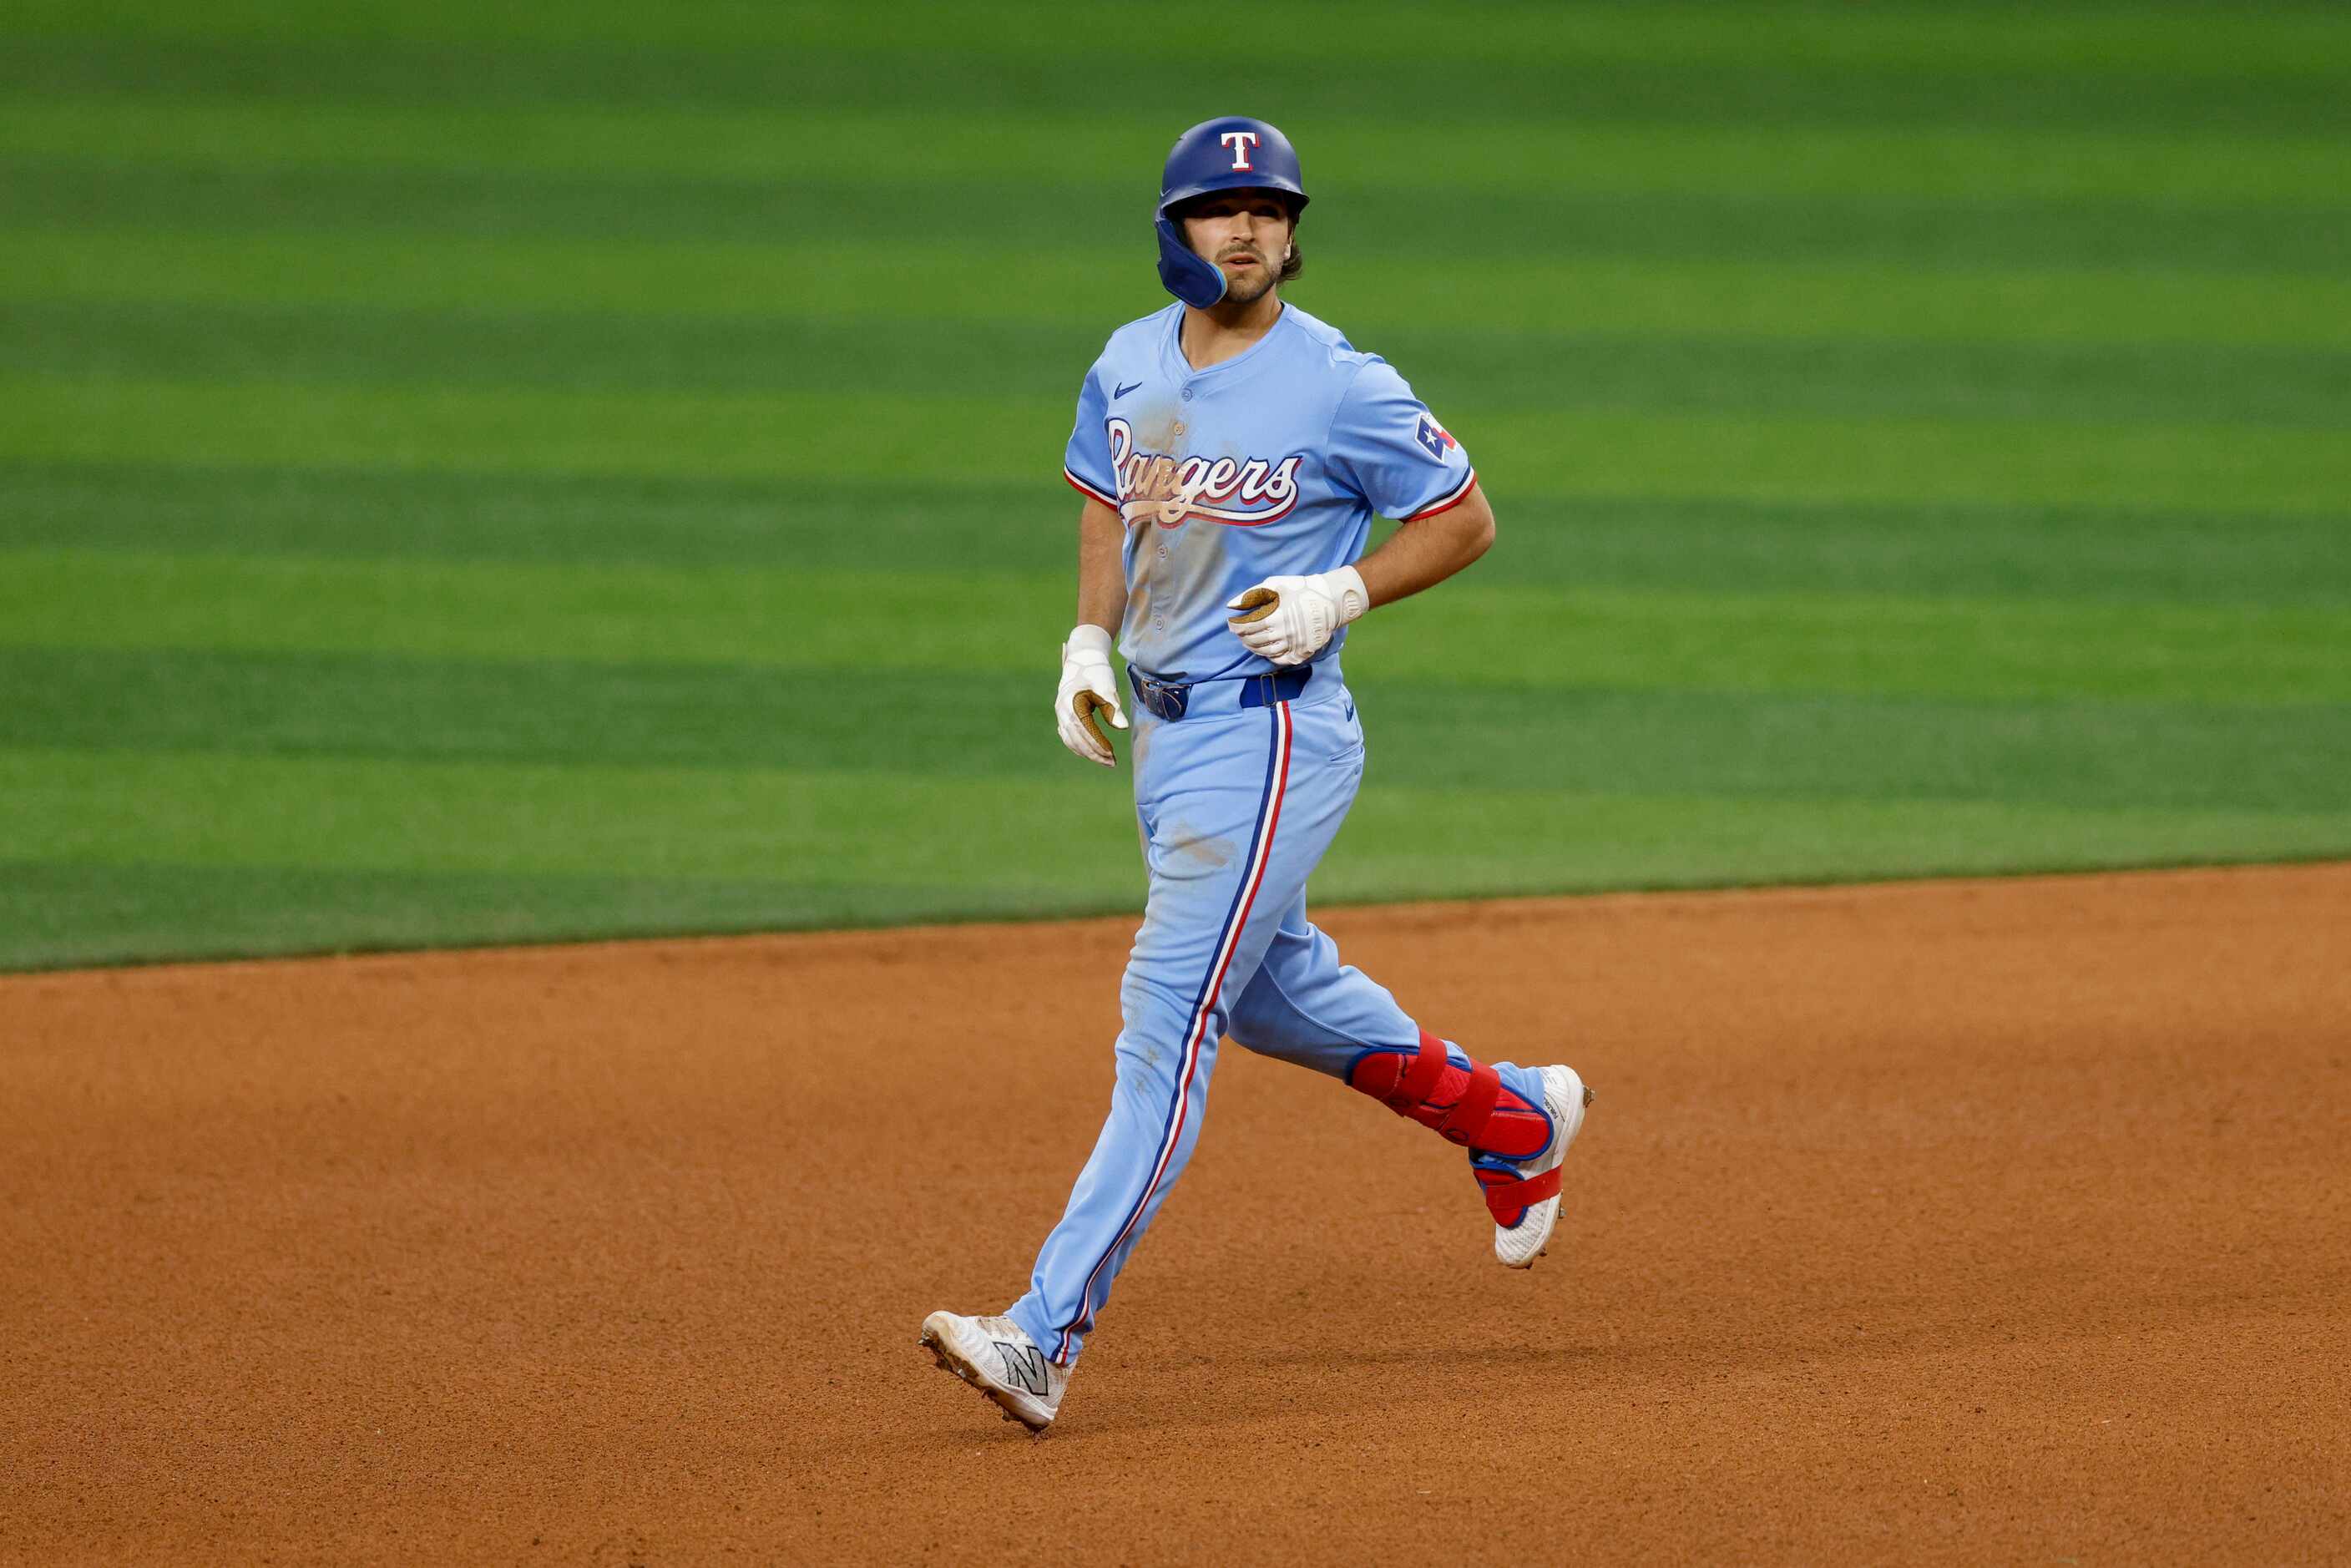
<point>1246,234</point>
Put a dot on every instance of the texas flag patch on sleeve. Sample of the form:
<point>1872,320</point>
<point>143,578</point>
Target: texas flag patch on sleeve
<point>1435,437</point>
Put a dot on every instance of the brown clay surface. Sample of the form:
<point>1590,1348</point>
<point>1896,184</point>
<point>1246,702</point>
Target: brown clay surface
<point>1988,1222</point>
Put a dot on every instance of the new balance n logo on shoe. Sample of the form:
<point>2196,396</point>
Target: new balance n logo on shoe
<point>1025,1368</point>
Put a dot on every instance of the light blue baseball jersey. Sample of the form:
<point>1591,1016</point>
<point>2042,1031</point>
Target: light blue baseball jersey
<point>1270,463</point>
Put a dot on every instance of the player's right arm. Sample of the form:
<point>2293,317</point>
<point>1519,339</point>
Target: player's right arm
<point>1089,685</point>
<point>1101,566</point>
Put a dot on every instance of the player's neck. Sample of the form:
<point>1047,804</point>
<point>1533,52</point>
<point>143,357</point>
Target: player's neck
<point>1211,337</point>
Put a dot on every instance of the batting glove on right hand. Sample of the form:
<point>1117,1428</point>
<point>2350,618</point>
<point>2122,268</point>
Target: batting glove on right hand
<point>1089,687</point>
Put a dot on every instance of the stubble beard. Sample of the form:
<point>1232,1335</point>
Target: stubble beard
<point>1244,290</point>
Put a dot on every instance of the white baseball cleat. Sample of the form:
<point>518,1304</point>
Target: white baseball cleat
<point>995,1357</point>
<point>1523,1195</point>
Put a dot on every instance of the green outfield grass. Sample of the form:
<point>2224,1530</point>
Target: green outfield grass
<point>480,476</point>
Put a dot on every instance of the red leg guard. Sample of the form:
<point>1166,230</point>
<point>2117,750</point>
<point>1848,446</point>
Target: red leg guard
<point>1462,1105</point>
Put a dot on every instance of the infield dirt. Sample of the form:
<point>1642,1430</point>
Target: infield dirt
<point>1989,1221</point>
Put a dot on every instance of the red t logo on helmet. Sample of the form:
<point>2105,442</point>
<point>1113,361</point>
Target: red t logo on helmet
<point>1240,142</point>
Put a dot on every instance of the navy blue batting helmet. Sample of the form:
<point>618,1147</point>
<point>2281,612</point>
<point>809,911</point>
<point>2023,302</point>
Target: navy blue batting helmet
<point>1235,153</point>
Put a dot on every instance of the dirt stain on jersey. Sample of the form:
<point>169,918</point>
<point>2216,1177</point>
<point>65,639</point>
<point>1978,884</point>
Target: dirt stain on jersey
<point>1161,434</point>
<point>1178,561</point>
<point>1188,576</point>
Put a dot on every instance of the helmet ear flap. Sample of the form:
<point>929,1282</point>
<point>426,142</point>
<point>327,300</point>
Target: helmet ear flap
<point>1189,276</point>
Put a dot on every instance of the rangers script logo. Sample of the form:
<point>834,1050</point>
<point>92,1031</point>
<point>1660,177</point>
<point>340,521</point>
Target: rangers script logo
<point>1155,488</point>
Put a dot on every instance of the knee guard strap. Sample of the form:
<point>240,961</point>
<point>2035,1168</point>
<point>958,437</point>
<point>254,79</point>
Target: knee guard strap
<point>1465,1106</point>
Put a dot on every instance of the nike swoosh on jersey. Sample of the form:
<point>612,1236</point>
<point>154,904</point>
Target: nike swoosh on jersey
<point>1123,390</point>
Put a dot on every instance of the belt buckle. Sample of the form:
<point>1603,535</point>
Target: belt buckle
<point>1168,699</point>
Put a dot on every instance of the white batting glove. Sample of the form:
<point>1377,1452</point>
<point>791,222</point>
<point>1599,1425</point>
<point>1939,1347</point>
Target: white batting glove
<point>1088,686</point>
<point>1289,619</point>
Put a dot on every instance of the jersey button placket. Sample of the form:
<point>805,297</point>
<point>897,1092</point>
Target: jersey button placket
<point>1177,432</point>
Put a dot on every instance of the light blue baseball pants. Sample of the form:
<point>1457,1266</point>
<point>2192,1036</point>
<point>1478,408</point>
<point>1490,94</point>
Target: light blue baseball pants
<point>1237,808</point>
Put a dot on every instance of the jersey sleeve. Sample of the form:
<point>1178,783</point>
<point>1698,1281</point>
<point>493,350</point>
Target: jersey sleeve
<point>1087,464</point>
<point>1388,446</point>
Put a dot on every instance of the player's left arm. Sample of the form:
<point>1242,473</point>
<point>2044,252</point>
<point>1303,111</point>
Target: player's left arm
<point>1389,449</point>
<point>1290,619</point>
<point>1423,553</point>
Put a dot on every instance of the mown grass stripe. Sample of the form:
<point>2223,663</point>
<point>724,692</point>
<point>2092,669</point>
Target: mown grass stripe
<point>1094,289</point>
<point>1362,161</point>
<point>1680,544</point>
<point>1761,88</point>
<point>1400,844</point>
<point>1929,234</point>
<point>70,913</point>
<point>2171,383</point>
<point>2008,648</point>
<point>127,808</point>
<point>989,722</point>
<point>116,808</point>
<point>820,623</point>
<point>2283,40</point>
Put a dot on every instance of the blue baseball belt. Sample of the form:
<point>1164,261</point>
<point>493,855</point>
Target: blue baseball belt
<point>1172,699</point>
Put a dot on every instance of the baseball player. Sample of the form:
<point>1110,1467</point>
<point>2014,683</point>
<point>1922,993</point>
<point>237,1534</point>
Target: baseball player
<point>1231,450</point>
